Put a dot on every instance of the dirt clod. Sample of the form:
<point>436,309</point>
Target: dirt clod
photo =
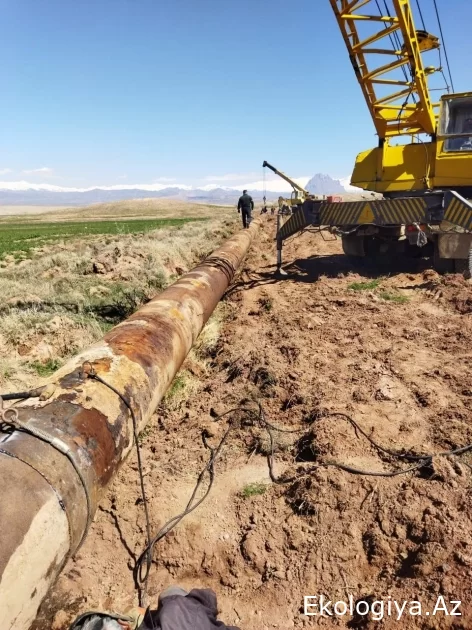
<point>402,370</point>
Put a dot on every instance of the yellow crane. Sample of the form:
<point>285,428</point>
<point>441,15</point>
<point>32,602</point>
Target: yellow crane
<point>298,195</point>
<point>425,181</point>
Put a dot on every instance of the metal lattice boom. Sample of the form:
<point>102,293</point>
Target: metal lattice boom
<point>392,112</point>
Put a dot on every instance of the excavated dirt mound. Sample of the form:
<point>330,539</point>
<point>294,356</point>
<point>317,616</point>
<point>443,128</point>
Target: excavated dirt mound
<point>390,352</point>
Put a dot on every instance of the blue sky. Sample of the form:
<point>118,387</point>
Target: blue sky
<point>102,92</point>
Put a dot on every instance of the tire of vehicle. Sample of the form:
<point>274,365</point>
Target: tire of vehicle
<point>442,265</point>
<point>353,246</point>
<point>464,266</point>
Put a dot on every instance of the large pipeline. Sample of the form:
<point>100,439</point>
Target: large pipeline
<point>56,470</point>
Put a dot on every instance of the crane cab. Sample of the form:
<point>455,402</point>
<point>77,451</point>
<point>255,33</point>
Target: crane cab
<point>443,163</point>
<point>455,123</point>
<point>454,144</point>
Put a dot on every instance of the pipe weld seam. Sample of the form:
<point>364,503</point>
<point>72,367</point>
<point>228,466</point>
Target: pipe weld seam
<point>53,488</point>
<point>61,447</point>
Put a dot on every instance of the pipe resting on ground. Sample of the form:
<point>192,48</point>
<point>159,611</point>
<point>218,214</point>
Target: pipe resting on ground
<point>55,473</point>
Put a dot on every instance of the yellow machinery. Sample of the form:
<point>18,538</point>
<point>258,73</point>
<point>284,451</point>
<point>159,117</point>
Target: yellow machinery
<point>425,181</point>
<point>298,195</point>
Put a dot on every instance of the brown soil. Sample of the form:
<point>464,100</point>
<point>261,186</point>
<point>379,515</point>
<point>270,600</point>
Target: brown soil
<point>305,346</point>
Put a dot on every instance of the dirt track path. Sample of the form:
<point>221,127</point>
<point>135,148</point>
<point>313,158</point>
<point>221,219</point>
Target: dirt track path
<point>396,358</point>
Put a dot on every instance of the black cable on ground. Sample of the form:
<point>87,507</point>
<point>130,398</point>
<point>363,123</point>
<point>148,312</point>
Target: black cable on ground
<point>257,415</point>
<point>192,504</point>
<point>147,554</point>
<point>35,393</point>
<point>423,460</point>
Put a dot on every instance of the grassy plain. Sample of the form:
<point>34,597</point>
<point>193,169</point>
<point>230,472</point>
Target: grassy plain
<point>21,237</point>
<point>120,210</point>
<point>68,276</point>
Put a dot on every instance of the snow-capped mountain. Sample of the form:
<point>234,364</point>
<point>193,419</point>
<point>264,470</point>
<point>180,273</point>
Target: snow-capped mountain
<point>321,184</point>
<point>27,193</point>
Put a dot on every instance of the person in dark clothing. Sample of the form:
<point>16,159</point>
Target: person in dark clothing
<point>177,610</point>
<point>463,143</point>
<point>246,206</point>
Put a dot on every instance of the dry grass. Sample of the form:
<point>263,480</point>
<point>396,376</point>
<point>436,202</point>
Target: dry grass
<point>197,364</point>
<point>7,212</point>
<point>63,298</point>
<point>128,209</point>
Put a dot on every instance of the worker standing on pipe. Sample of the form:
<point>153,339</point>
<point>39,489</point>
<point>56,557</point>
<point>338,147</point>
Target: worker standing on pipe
<point>246,206</point>
<point>177,610</point>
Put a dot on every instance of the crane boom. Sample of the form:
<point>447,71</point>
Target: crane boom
<point>292,182</point>
<point>386,92</point>
<point>426,183</point>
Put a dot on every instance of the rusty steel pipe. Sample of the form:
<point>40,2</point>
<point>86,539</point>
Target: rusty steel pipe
<point>54,473</point>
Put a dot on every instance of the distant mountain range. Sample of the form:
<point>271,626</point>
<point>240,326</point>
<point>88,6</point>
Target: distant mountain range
<point>25,193</point>
<point>325,185</point>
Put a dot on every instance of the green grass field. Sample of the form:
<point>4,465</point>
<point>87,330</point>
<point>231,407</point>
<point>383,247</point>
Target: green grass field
<point>20,238</point>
